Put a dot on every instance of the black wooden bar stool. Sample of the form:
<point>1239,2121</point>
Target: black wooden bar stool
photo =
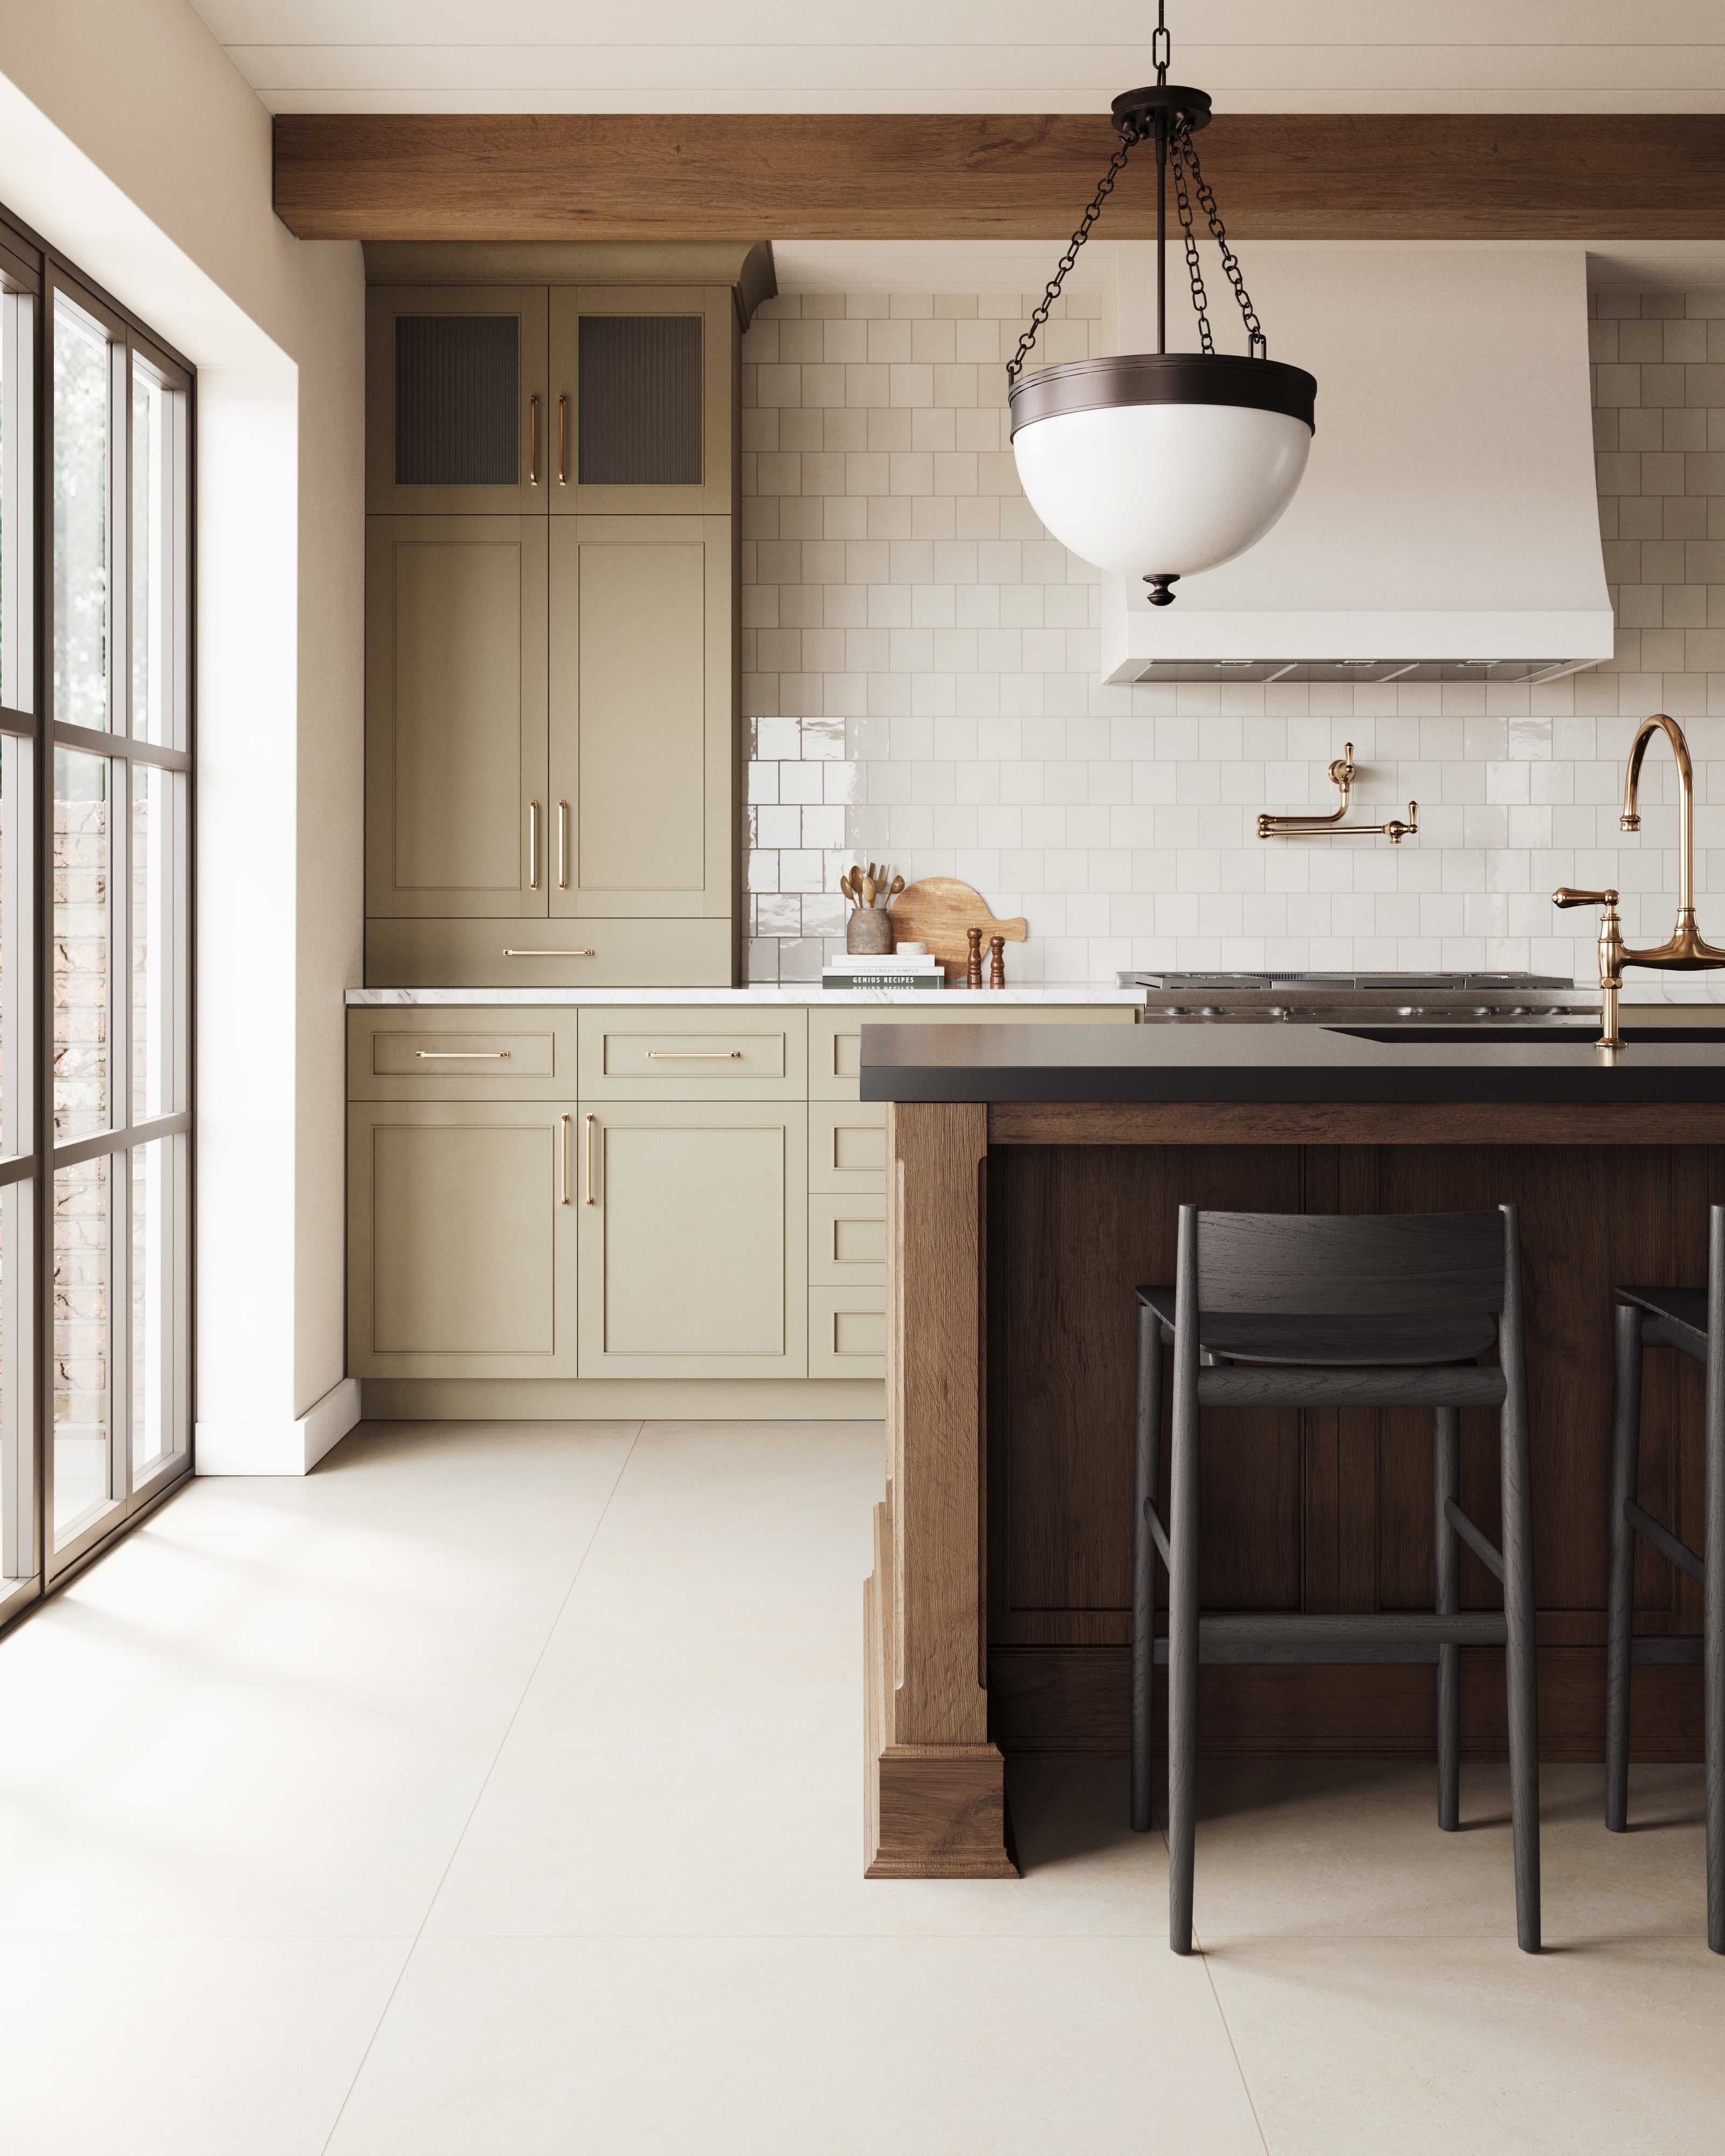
<point>1292,1310</point>
<point>1685,1318</point>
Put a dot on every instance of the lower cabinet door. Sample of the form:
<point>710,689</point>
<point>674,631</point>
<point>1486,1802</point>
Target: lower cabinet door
<point>461,1240</point>
<point>693,1225</point>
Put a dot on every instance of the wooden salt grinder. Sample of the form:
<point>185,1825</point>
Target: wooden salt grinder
<point>997,962</point>
<point>973,962</point>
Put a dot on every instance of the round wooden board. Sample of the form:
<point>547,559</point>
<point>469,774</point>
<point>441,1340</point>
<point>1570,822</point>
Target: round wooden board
<point>938,911</point>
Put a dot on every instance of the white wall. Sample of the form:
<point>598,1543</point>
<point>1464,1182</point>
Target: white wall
<point>128,140</point>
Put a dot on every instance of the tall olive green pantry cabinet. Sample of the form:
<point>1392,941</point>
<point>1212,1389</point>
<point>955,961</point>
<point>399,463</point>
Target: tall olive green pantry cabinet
<point>552,745</point>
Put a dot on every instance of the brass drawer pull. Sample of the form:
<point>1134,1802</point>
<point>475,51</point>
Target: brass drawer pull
<point>591,1121</point>
<point>462,1054</point>
<point>563,1160</point>
<point>694,1056</point>
<point>549,954</point>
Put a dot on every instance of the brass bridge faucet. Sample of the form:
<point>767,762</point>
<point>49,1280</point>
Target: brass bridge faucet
<point>1685,950</point>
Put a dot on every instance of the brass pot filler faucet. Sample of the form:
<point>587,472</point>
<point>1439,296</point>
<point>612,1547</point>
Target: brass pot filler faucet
<point>1686,951</point>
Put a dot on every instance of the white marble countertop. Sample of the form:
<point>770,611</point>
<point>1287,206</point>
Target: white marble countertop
<point>803,993</point>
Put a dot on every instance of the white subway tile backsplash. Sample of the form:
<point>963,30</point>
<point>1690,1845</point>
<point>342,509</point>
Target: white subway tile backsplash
<point>920,673</point>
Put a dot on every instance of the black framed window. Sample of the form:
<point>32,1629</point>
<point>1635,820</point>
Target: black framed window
<point>96,418</point>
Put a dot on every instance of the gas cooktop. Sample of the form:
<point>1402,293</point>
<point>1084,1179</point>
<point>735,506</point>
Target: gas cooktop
<point>1388,982</point>
<point>1317,998</point>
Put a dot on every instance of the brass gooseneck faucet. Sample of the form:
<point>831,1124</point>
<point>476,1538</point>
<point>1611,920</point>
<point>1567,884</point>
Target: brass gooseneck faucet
<point>1685,950</point>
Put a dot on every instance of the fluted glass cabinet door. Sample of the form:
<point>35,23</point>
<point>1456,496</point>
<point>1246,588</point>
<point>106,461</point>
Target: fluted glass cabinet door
<point>643,389</point>
<point>457,418</point>
<point>457,820</point>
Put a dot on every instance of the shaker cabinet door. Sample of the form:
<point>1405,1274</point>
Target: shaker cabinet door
<point>693,1227</point>
<point>643,780</point>
<point>457,824</point>
<point>457,418</point>
<point>461,1240</point>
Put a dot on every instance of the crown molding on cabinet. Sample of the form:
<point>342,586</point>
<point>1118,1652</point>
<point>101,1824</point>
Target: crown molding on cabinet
<point>746,266</point>
<point>587,178</point>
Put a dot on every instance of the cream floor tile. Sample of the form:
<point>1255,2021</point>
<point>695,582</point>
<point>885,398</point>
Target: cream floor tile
<point>1346,1851</point>
<point>1447,2047</point>
<point>230,1808</point>
<point>187,2047</point>
<point>936,2047</point>
<point>416,1552</point>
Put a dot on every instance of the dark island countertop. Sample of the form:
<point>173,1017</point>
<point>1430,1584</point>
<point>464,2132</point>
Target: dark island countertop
<point>1277,1062</point>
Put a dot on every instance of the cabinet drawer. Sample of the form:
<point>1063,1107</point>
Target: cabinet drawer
<point>626,954</point>
<point>835,1035</point>
<point>698,1054</point>
<point>847,1146</point>
<point>847,1333</point>
<point>460,1054</point>
<point>847,1239</point>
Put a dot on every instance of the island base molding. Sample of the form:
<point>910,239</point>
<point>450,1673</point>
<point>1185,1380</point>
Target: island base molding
<point>621,1399</point>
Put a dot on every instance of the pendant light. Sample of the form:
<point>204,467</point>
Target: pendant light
<point>1160,464</point>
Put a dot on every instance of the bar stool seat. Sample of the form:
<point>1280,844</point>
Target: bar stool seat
<point>1293,1310</point>
<point>1334,1344</point>
<point>1686,1319</point>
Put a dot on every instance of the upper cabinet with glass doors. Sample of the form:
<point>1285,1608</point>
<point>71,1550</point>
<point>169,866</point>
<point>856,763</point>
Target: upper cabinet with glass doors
<point>534,400</point>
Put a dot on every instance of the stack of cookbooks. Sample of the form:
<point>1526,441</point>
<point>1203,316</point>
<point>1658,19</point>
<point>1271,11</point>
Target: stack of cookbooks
<point>889,970</point>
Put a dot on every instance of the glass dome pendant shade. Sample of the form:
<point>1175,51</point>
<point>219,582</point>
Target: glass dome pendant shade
<point>1162,464</point>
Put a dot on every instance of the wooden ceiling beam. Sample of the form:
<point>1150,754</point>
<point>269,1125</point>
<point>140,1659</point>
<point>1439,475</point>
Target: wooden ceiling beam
<point>964,176</point>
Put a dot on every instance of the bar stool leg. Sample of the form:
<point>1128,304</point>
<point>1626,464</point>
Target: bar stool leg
<point>1182,1598</point>
<point>1446,1480</point>
<point>1521,1652</point>
<point>1621,1617</point>
<point>1147,1473</point>
<point>1713,1585</point>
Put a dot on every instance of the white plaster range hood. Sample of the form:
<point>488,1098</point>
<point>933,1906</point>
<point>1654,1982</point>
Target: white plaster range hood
<point>1447,525</point>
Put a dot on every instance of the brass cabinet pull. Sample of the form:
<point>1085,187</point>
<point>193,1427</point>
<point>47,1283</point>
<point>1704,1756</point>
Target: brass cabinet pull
<point>591,1121</point>
<point>550,954</point>
<point>562,441</point>
<point>533,845</point>
<point>462,1054</point>
<point>533,441</point>
<point>694,1056</point>
<point>563,1160</point>
<point>562,846</point>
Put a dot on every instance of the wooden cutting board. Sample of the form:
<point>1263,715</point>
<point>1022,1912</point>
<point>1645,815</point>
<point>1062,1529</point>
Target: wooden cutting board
<point>937,910</point>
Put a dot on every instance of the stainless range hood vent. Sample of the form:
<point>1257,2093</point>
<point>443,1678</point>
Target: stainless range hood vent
<point>1371,671</point>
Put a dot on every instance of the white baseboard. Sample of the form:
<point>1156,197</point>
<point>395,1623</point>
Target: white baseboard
<point>279,1448</point>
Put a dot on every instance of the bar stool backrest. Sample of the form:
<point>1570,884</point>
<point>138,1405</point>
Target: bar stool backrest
<point>1390,1265</point>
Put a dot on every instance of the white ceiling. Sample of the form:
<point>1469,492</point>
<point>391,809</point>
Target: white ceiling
<point>973,55</point>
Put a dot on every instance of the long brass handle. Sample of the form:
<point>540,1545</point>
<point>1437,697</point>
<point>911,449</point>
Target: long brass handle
<point>562,846</point>
<point>563,1160</point>
<point>695,1055</point>
<point>550,954</point>
<point>1563,897</point>
<point>591,1121</point>
<point>462,1054</point>
<point>532,845</point>
<point>562,441</point>
<point>533,441</point>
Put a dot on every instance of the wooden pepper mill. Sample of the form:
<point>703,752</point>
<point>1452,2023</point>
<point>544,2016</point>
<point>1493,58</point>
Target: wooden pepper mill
<point>997,962</point>
<point>973,962</point>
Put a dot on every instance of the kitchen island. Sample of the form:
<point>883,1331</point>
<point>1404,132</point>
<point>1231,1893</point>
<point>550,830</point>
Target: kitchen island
<point>1034,1177</point>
